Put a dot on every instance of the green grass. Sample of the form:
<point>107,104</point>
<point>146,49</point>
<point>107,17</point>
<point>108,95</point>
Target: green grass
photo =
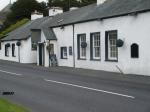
<point>6,106</point>
<point>13,27</point>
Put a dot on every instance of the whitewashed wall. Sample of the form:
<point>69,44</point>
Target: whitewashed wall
<point>64,39</point>
<point>46,52</point>
<point>132,29</point>
<point>26,54</point>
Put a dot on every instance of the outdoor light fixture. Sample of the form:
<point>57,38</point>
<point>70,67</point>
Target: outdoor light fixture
<point>18,43</point>
<point>83,44</point>
<point>120,43</point>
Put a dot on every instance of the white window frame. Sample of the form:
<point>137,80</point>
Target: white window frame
<point>82,50</point>
<point>96,44</point>
<point>112,47</point>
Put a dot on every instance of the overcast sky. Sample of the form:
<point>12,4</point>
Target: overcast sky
<point>3,3</point>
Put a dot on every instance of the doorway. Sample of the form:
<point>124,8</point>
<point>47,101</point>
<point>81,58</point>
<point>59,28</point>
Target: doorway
<point>41,54</point>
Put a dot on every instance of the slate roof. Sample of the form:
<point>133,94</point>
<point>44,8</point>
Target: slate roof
<point>109,9</point>
<point>24,31</point>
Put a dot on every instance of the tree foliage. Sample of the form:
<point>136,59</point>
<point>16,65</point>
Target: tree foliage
<point>66,4</point>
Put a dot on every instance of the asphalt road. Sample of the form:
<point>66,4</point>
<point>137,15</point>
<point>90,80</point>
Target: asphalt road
<point>49,91</point>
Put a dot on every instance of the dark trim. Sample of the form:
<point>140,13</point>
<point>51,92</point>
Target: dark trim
<point>107,17</point>
<point>95,59</point>
<point>106,45</point>
<point>64,58</point>
<point>15,39</point>
<point>13,50</point>
<point>61,52</point>
<point>111,60</point>
<point>82,59</point>
<point>6,48</point>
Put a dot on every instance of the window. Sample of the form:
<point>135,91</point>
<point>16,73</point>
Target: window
<point>70,50</point>
<point>34,46</point>
<point>6,50</point>
<point>13,50</point>
<point>111,47</point>
<point>95,45</point>
<point>81,50</point>
<point>134,51</point>
<point>63,52</point>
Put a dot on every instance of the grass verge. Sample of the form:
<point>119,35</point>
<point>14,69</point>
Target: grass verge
<point>6,106</point>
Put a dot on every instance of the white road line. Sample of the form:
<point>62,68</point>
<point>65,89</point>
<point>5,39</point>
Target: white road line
<point>10,73</point>
<point>88,88</point>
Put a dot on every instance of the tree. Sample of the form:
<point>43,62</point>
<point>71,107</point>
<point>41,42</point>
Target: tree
<point>23,9</point>
<point>66,4</point>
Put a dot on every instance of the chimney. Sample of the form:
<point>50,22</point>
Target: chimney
<point>100,2</point>
<point>73,8</point>
<point>36,15</point>
<point>54,11</point>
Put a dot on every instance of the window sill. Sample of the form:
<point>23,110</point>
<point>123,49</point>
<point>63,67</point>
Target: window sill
<point>95,59</point>
<point>81,59</point>
<point>111,60</point>
<point>64,58</point>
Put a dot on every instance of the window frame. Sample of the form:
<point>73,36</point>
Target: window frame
<point>32,46</point>
<point>13,50</point>
<point>134,55</point>
<point>64,52</point>
<point>6,51</point>
<point>108,47</point>
<point>81,51</point>
<point>93,46</point>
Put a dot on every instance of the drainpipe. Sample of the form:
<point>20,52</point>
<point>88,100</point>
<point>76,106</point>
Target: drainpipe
<point>49,55</point>
<point>19,53</point>
<point>73,47</point>
<point>18,44</point>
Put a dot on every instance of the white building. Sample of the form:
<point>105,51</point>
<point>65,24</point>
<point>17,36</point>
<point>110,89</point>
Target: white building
<point>112,35</point>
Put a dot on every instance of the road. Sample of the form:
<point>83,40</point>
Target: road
<point>49,91</point>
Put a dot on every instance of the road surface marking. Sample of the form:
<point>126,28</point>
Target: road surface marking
<point>88,88</point>
<point>10,73</point>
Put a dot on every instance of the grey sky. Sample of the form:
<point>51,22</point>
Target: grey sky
<point>3,3</point>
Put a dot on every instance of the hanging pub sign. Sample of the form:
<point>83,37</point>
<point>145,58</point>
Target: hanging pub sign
<point>49,47</point>
<point>120,43</point>
<point>18,43</point>
<point>83,44</point>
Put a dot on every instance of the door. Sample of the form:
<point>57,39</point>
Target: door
<point>41,49</point>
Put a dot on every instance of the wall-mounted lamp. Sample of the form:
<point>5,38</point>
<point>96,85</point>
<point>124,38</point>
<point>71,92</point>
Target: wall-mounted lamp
<point>120,43</point>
